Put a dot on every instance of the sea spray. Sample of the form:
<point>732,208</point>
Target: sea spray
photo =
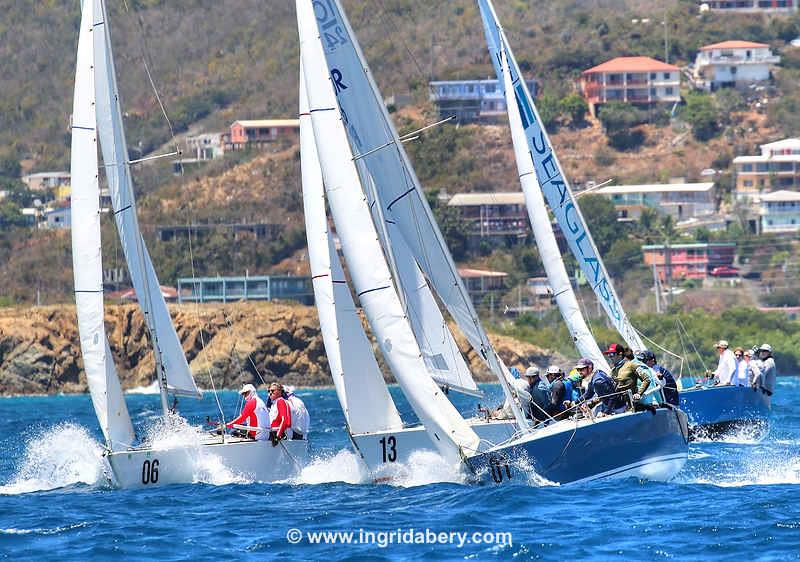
<point>174,433</point>
<point>57,457</point>
<point>342,466</point>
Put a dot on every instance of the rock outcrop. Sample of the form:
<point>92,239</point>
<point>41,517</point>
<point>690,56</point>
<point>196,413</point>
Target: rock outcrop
<point>226,345</point>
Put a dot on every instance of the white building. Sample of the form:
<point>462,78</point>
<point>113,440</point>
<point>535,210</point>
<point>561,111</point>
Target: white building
<point>733,63</point>
<point>41,181</point>
<point>777,167</point>
<point>206,146</point>
<point>635,80</point>
<point>780,212</point>
<point>471,100</point>
<point>751,6</point>
<point>680,200</point>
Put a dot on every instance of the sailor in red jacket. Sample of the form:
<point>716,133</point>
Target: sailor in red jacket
<point>280,415</point>
<point>254,413</point>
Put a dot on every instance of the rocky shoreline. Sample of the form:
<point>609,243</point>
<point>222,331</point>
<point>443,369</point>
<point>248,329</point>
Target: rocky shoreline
<point>231,344</point>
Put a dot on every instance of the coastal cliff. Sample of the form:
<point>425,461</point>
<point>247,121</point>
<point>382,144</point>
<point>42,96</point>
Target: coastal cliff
<point>231,344</point>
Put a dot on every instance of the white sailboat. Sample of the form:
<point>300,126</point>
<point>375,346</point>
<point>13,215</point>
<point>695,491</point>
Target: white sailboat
<point>381,442</point>
<point>96,114</point>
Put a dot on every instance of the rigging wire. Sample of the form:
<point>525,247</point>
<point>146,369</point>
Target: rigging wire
<point>144,57</point>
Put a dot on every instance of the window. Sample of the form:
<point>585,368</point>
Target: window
<point>668,90</point>
<point>490,88</point>
<point>653,76</point>
<point>747,167</point>
<point>666,75</point>
<point>748,183</point>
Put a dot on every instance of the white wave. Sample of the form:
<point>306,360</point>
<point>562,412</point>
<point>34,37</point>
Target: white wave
<point>151,388</point>
<point>57,457</point>
<point>42,531</point>
<point>425,467</point>
<point>177,433</point>
<point>343,466</point>
<point>779,467</point>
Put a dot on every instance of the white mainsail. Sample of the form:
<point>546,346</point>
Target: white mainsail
<point>166,345</point>
<point>543,232</point>
<point>365,399</point>
<point>554,185</point>
<point>376,146</point>
<point>369,271</point>
<point>101,375</point>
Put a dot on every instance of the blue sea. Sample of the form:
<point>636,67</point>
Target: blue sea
<point>735,500</point>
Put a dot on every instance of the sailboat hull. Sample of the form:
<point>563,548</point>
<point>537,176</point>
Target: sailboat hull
<point>383,452</point>
<point>208,461</point>
<point>647,445</point>
<point>720,410</point>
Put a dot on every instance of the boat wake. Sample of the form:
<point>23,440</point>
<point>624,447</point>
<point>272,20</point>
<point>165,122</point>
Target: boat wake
<point>748,434</point>
<point>58,457</point>
<point>775,468</point>
<point>342,466</point>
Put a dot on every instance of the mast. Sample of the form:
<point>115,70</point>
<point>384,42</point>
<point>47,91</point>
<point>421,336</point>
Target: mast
<point>554,184</point>
<point>172,369</point>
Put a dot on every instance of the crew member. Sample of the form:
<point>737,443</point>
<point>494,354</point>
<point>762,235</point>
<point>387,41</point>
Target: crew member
<point>559,398</point>
<point>766,379</point>
<point>280,414</point>
<point>601,389</point>
<point>726,368</point>
<point>301,420</point>
<point>668,383</point>
<point>254,412</point>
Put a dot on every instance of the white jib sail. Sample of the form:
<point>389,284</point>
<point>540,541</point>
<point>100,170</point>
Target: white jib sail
<point>376,145</point>
<point>166,344</point>
<point>554,185</point>
<point>543,233</point>
<point>450,434</point>
<point>87,266</point>
<point>367,405</point>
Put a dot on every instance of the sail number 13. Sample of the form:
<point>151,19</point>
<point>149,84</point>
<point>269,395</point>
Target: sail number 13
<point>389,448</point>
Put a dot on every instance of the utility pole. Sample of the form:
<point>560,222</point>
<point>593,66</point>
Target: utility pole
<point>656,288</point>
<point>666,38</point>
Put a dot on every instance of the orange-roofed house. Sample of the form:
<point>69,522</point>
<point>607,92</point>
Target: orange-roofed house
<point>639,80</point>
<point>733,63</point>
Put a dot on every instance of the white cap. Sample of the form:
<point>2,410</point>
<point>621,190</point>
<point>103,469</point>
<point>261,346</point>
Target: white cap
<point>765,347</point>
<point>554,370</point>
<point>532,371</point>
<point>722,343</point>
<point>247,389</point>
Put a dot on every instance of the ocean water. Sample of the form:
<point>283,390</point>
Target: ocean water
<point>735,500</point>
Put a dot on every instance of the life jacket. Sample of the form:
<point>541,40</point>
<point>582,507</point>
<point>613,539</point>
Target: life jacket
<point>570,391</point>
<point>540,393</point>
<point>301,420</point>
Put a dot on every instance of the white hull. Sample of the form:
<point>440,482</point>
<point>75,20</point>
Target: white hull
<point>383,451</point>
<point>208,460</point>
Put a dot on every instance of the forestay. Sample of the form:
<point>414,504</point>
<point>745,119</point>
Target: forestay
<point>554,185</point>
<point>543,232</point>
<point>98,363</point>
<point>166,345</point>
<point>367,405</point>
<point>369,270</point>
<point>375,144</point>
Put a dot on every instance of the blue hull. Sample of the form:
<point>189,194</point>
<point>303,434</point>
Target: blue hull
<point>716,410</point>
<point>643,444</point>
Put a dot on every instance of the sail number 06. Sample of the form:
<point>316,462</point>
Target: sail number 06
<point>150,472</point>
<point>389,448</point>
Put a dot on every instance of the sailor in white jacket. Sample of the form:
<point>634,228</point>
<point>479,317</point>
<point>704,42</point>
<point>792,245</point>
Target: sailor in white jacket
<point>726,369</point>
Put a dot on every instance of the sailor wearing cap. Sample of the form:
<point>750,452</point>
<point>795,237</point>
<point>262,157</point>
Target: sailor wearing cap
<point>765,380</point>
<point>726,368</point>
<point>254,413</point>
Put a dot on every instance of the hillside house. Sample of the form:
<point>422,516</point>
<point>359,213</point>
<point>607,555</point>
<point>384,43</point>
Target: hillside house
<point>780,212</point>
<point>471,100</point>
<point>480,281</point>
<point>636,80</point>
<point>688,261</point>
<point>733,63</point>
<point>493,216</point>
<point>776,168</point>
<point>43,181</point>
<point>682,201</point>
<point>58,217</point>
<point>260,132</point>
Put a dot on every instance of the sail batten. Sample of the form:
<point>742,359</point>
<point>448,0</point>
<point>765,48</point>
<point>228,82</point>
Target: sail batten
<point>103,381</point>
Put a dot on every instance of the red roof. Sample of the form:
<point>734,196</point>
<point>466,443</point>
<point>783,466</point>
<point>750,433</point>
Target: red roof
<point>471,273</point>
<point>632,64</point>
<point>734,45</point>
